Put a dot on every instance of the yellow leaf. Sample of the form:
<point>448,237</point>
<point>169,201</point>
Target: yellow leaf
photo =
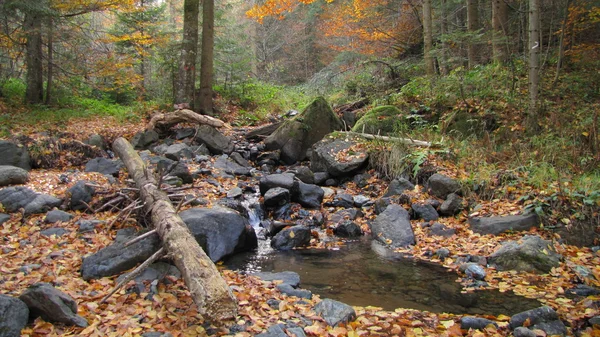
<point>292,234</point>
<point>447,324</point>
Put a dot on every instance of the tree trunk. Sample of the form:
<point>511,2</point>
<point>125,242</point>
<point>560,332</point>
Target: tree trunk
<point>472,27</point>
<point>534,61</point>
<point>49,67</point>
<point>561,46</point>
<point>208,289</point>
<point>205,105</point>
<point>499,27</point>
<point>34,94</point>
<point>444,67</point>
<point>184,93</point>
<point>428,38</point>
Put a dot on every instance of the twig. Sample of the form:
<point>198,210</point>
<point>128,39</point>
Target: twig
<point>110,202</point>
<point>88,206</point>
<point>159,253</point>
<point>179,205</point>
<point>129,208</point>
<point>140,238</point>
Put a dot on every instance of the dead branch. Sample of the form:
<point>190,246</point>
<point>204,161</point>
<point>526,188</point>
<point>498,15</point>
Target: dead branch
<point>167,120</point>
<point>406,141</point>
<point>139,238</point>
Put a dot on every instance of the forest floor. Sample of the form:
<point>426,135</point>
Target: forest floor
<point>172,310</point>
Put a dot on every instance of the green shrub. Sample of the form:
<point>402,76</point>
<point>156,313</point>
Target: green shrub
<point>13,91</point>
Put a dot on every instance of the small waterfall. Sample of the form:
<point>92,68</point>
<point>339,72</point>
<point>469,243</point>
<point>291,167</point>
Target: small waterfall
<point>255,212</point>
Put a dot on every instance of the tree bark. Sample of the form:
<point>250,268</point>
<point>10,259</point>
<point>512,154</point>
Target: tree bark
<point>534,61</point>
<point>205,103</point>
<point>499,28</point>
<point>206,285</point>
<point>472,27</point>
<point>34,94</point>
<point>184,93</point>
<point>428,38</point>
<point>561,46</point>
<point>49,67</point>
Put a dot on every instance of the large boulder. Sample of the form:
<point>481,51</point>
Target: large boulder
<point>338,157</point>
<point>215,141</point>
<point>220,231</point>
<point>12,175</point>
<point>283,180</point>
<point>380,120</point>
<point>16,197</point>
<point>291,237</point>
<point>335,312</point>
<point>52,305</point>
<point>14,315</point>
<point>440,185</point>
<point>543,318</point>
<point>308,195</point>
<point>14,155</point>
<point>393,227</point>
<point>298,134</point>
<point>499,224</point>
<point>531,253</point>
<point>103,165</point>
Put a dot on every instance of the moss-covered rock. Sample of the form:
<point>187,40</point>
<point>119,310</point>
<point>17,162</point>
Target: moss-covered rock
<point>298,134</point>
<point>380,120</point>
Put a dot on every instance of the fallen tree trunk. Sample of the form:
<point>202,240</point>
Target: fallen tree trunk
<point>206,285</point>
<point>166,120</point>
<point>406,141</point>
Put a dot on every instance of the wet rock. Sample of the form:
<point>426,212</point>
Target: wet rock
<point>79,195</point>
<point>476,323</point>
<point>291,237</point>
<point>235,192</point>
<point>582,290</point>
<point>277,196</point>
<point>347,229</point>
<point>308,195</point>
<point>393,227</point>
<point>57,215</point>
<point>16,197</point>
<point>52,305</point>
<point>230,166</point>
<point>215,141</point>
<point>283,180</point>
<point>117,258</point>
<point>523,332</point>
<point>144,139</point>
<point>295,136</point>
<point>324,159</point>
<point>291,291</point>
<point>220,231</point>
<point>361,201</point>
<point>287,277</point>
<point>425,211</point>
<point>283,212</point>
<point>321,178</point>
<point>452,205</point>
<point>14,315</point>
<point>532,254</point>
<point>499,224</point>
<point>178,151</point>
<point>12,175</point>
<point>441,230</point>
<point>473,270</point>
<point>345,214</point>
<point>102,165</point>
<point>177,169</point>
<point>88,225</point>
<point>341,200</point>
<point>441,186</point>
<point>4,218</point>
<point>543,318</point>
<point>398,186</point>
<point>334,312</point>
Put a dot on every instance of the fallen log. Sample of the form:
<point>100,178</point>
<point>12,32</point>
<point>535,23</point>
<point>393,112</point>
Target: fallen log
<point>406,141</point>
<point>167,120</point>
<point>208,289</point>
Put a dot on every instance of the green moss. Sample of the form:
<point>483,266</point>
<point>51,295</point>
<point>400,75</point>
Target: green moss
<point>383,120</point>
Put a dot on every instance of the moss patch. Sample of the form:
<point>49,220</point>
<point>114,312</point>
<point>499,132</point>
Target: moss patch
<point>382,120</point>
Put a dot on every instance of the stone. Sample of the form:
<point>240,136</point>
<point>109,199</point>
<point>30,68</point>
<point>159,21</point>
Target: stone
<point>291,237</point>
<point>287,277</point>
<point>594,320</point>
<point>175,169</point>
<point>441,230</point>
<point>296,135</point>
<point>425,211</point>
<point>393,227</point>
<point>227,165</point>
<point>144,139</point>
<point>57,215</point>
<point>14,155</point>
<point>220,231</point>
<point>258,133</point>
<point>179,151</point>
<point>381,120</point>
<point>324,159</point>
<point>16,197</point>
<point>4,218</point>
<point>532,254</point>
<point>240,160</point>
<point>116,258</point>
<point>102,165</point>
<point>441,186</point>
<point>442,253</point>
<point>274,227</point>
<point>277,196</point>
<point>476,323</point>
<point>304,174</point>
<point>14,315</point>
<point>398,186</point>
<point>214,140</point>
<point>79,195</point>
<point>291,291</point>
<point>347,229</point>
<point>157,334</point>
<point>52,305</point>
<point>12,175</point>
<point>88,225</point>
<point>321,177</point>
<point>523,332</point>
<point>582,290</point>
<point>96,140</point>
<point>308,195</point>
<point>452,205</point>
<point>335,312</point>
<point>341,200</point>
<point>473,271</point>
<point>499,224</point>
<point>361,200</point>
<point>184,133</point>
<point>283,180</point>
<point>273,331</point>
<point>543,318</point>
<point>345,214</point>
<point>235,192</point>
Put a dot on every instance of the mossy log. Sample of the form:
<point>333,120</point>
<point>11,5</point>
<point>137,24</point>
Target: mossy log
<point>167,120</point>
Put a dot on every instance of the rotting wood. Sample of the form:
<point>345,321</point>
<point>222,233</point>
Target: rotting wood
<point>406,141</point>
<point>167,120</point>
<point>207,287</point>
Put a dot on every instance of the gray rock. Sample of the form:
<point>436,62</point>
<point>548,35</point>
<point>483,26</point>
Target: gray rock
<point>230,166</point>
<point>291,291</point>
<point>291,237</point>
<point>4,218</point>
<point>499,224</point>
<point>441,230</point>
<point>103,165</point>
<point>178,151</point>
<point>341,200</point>
<point>308,195</point>
<point>283,180</point>
<point>57,215</point>
<point>441,186</point>
<point>360,200</point>
<point>240,160</point>
<point>14,315</point>
<point>442,253</point>
<point>398,186</point>
<point>16,197</point>
<point>594,320</point>
<point>80,194</point>
<point>88,225</point>
<point>117,258</point>
<point>425,212</point>
<point>305,174</point>
<point>220,231</point>
<point>473,270</point>
<point>277,196</point>
<point>347,229</point>
<point>532,254</point>
<point>235,192</point>
<point>12,175</point>
<point>476,323</point>
<point>334,312</point>
<point>260,132</point>
<point>14,155</point>
<point>144,139</point>
<point>582,290</point>
<point>176,169</point>
<point>96,140</point>
<point>523,332</point>
<point>324,159</point>
<point>345,214</point>
<point>157,334</point>
<point>452,205</point>
<point>287,277</point>
<point>393,227</point>
<point>215,141</point>
<point>321,177</point>
<point>52,305</point>
<point>543,318</point>
<point>298,332</point>
<point>184,133</point>
<point>273,331</point>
